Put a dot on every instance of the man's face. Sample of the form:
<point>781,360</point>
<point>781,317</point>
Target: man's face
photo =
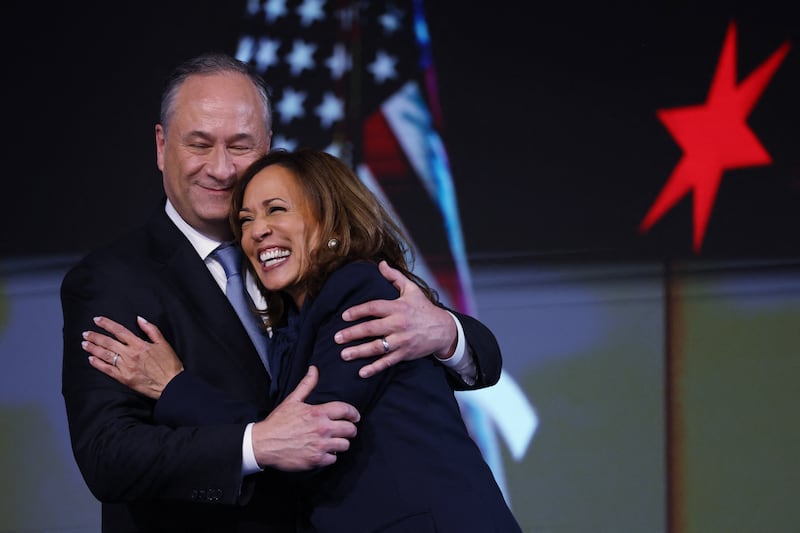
<point>217,129</point>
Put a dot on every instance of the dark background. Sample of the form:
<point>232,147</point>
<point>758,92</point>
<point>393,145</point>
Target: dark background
<point>549,111</point>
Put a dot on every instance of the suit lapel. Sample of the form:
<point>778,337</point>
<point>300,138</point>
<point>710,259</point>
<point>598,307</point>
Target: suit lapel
<point>294,362</point>
<point>188,275</point>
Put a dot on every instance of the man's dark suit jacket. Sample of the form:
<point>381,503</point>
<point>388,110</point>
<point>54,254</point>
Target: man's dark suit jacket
<point>155,477</point>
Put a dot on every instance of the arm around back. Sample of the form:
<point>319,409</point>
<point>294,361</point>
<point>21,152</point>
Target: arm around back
<point>482,344</point>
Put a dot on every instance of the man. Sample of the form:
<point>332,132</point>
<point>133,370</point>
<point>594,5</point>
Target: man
<point>215,120</point>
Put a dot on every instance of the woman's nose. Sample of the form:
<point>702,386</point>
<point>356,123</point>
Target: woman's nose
<point>260,228</point>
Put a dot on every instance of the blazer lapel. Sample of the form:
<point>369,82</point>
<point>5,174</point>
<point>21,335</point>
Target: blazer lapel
<point>193,284</point>
<point>294,362</point>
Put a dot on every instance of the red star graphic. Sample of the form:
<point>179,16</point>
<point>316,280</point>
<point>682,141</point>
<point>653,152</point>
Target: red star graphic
<point>714,137</point>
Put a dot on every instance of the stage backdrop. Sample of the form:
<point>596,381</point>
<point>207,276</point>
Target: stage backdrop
<point>630,130</point>
<point>614,191</point>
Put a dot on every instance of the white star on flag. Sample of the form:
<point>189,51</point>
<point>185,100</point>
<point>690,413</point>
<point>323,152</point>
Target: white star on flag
<point>267,54</point>
<point>339,62</point>
<point>330,110</point>
<point>290,106</point>
<point>301,57</point>
<point>310,11</point>
<point>274,9</point>
<point>383,68</point>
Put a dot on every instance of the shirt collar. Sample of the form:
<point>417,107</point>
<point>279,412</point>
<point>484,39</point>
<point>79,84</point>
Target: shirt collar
<point>202,244</point>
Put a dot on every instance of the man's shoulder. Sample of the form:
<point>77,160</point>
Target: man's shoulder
<point>135,249</point>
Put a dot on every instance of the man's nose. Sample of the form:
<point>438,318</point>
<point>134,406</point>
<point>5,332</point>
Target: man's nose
<point>220,164</point>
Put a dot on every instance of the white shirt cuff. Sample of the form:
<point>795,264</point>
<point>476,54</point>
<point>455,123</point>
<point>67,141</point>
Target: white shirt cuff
<point>249,463</point>
<point>462,362</point>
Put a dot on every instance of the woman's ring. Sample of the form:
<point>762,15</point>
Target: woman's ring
<point>385,345</point>
<point>114,360</point>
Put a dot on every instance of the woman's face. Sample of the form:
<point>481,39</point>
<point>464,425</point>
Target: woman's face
<point>278,231</point>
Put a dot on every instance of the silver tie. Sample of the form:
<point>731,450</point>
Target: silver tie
<point>230,258</point>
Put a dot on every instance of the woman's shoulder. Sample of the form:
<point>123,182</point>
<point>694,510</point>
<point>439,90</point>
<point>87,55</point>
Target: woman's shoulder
<point>359,277</point>
<point>356,269</point>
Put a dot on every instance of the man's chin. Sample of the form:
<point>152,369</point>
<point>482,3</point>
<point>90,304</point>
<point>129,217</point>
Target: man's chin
<point>216,219</point>
<point>214,204</point>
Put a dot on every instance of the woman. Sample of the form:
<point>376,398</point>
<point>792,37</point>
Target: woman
<point>313,234</point>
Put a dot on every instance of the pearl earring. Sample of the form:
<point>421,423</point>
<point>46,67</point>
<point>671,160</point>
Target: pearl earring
<point>333,243</point>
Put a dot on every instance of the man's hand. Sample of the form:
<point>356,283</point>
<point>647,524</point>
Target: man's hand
<point>145,367</point>
<point>297,436</point>
<point>411,325</point>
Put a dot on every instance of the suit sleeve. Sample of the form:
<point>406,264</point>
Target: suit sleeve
<point>188,400</point>
<point>120,450</point>
<point>339,380</point>
<point>482,344</point>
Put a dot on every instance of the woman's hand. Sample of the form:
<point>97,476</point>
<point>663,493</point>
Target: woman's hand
<point>145,367</point>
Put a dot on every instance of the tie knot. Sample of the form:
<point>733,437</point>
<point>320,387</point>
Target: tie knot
<point>230,258</point>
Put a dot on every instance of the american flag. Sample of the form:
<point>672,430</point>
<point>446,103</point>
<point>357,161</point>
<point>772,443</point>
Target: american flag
<point>357,79</point>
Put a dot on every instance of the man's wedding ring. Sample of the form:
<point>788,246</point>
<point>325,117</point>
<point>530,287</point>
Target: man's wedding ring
<point>114,360</point>
<point>385,345</point>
